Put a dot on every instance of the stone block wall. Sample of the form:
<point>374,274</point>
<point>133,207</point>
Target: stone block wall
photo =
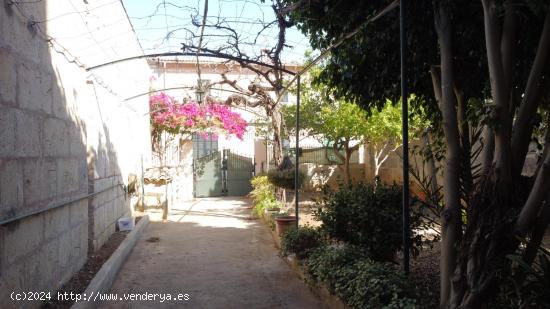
<point>319,175</point>
<point>65,133</point>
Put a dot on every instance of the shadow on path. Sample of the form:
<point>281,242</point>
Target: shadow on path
<point>214,255</point>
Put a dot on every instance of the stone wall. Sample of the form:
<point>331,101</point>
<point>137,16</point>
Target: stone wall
<point>318,175</point>
<point>391,171</point>
<point>65,133</point>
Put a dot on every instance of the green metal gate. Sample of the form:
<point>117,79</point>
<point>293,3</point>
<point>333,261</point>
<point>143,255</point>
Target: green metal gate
<point>207,168</point>
<point>218,173</point>
<point>238,170</point>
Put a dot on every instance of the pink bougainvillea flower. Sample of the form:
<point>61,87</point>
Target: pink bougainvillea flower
<point>190,117</point>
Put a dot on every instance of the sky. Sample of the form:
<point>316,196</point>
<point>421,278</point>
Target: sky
<point>161,26</point>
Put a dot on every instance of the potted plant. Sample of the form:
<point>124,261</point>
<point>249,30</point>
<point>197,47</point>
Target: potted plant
<point>283,177</point>
<point>284,222</point>
<point>271,209</point>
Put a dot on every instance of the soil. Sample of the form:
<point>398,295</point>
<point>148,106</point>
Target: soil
<point>79,282</point>
<point>425,275</point>
<point>306,209</point>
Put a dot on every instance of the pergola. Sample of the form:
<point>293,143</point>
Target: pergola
<point>207,53</point>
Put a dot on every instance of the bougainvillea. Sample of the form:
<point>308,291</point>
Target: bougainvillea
<point>171,116</point>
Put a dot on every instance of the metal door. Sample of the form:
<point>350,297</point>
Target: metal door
<point>238,170</point>
<point>207,169</point>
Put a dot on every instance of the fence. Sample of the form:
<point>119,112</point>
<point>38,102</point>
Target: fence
<point>320,156</point>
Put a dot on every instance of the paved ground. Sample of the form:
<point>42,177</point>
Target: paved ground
<point>212,253</point>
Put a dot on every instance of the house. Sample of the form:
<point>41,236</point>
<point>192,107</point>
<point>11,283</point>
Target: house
<point>185,155</point>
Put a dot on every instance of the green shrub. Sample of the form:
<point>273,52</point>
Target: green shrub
<point>323,259</point>
<point>263,195</point>
<point>285,178</point>
<point>301,241</point>
<point>272,205</point>
<point>262,189</point>
<point>359,281</point>
<point>532,291</point>
<point>367,217</point>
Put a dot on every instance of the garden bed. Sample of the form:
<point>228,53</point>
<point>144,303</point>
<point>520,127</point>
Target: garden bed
<point>347,248</point>
<point>424,275</point>
<point>329,300</point>
<point>80,281</point>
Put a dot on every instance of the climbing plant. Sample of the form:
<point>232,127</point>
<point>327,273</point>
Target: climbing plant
<point>169,115</point>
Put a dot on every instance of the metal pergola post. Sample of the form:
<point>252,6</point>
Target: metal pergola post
<point>297,151</point>
<point>405,133</point>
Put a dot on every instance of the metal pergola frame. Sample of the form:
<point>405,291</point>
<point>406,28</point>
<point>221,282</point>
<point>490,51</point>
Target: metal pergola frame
<point>236,59</point>
<point>296,78</point>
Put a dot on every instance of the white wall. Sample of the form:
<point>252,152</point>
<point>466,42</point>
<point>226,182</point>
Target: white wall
<point>64,133</point>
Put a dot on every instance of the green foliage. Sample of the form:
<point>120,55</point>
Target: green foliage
<point>344,120</point>
<point>357,280</point>
<point>285,178</point>
<point>263,195</point>
<point>384,125</point>
<point>366,67</point>
<point>368,217</point>
<point>262,189</point>
<point>324,117</point>
<point>532,292</point>
<point>312,99</point>
<point>301,241</point>
<point>340,124</point>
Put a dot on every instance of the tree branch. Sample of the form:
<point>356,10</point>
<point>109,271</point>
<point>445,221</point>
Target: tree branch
<point>538,192</point>
<point>498,91</point>
<point>539,230</point>
<point>523,127</point>
<point>450,218</point>
<point>508,44</point>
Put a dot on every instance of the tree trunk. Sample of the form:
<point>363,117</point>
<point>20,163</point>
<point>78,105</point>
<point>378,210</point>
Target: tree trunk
<point>538,233</point>
<point>450,218</point>
<point>377,164</point>
<point>488,239</point>
<point>464,131</point>
<point>336,146</point>
<point>278,134</point>
<point>523,127</point>
<point>487,154</point>
<point>347,174</point>
<point>538,192</point>
<point>431,169</point>
<point>349,151</point>
<point>500,94</point>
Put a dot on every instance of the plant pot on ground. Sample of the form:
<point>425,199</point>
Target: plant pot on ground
<point>284,179</point>
<point>284,223</point>
<point>271,212</point>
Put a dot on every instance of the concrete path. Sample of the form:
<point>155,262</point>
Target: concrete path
<point>212,253</point>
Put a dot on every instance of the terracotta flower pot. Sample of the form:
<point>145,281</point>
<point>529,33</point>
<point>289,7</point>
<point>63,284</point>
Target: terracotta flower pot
<point>284,223</point>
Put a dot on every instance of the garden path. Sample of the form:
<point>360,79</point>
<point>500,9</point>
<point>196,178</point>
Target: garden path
<point>212,252</point>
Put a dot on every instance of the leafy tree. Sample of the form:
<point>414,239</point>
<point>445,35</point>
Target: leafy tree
<point>459,53</point>
<point>384,131</point>
<point>338,123</point>
<point>342,125</point>
<point>341,122</point>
